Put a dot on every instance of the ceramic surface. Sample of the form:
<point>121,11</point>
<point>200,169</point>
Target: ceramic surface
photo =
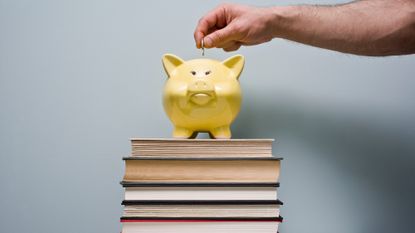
<point>202,95</point>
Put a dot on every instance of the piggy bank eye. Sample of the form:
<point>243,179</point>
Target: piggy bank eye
<point>193,72</point>
<point>208,72</point>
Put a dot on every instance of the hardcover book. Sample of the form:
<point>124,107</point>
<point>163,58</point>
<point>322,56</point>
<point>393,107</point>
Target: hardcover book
<point>201,185</point>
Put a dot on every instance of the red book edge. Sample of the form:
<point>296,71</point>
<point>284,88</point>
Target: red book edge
<point>200,220</point>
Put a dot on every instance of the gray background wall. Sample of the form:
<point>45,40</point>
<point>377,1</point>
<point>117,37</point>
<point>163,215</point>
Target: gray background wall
<point>79,78</point>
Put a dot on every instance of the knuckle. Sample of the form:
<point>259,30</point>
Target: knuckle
<point>224,5</point>
<point>227,4</point>
<point>200,20</point>
<point>237,27</point>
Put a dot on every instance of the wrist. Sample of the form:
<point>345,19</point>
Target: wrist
<point>282,20</point>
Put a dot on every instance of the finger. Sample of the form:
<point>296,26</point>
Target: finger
<point>227,44</point>
<point>220,37</point>
<point>233,47</point>
<point>215,18</point>
<point>198,39</point>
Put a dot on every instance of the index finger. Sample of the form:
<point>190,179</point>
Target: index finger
<point>214,19</point>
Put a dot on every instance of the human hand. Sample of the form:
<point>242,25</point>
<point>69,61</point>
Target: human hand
<point>229,26</point>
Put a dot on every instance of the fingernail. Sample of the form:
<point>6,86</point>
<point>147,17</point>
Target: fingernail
<point>207,42</point>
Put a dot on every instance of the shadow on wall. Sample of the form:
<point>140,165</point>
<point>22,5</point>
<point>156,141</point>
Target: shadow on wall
<point>379,155</point>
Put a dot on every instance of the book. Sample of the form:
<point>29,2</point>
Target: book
<point>202,209</point>
<point>191,225</point>
<point>201,185</point>
<point>200,191</point>
<point>154,147</point>
<point>203,170</point>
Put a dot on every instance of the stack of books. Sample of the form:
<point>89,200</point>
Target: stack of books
<point>201,185</point>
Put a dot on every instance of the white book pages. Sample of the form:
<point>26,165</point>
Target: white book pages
<point>200,193</point>
<point>200,227</point>
<point>201,147</point>
<point>203,211</point>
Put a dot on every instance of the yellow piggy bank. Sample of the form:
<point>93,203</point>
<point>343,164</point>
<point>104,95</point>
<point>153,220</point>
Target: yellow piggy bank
<point>202,95</point>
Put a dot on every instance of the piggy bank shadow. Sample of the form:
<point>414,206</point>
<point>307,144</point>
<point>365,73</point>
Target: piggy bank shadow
<point>355,147</point>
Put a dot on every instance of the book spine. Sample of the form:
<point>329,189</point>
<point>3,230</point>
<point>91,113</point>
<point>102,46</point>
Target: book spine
<point>195,219</point>
<point>202,202</point>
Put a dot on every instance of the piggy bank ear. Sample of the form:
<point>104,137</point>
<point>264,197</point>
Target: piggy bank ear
<point>236,64</point>
<point>170,62</point>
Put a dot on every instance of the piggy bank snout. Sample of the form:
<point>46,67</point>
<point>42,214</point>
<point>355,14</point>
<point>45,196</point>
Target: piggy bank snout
<point>201,86</point>
<point>201,92</point>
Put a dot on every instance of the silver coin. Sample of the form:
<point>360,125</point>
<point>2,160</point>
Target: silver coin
<point>203,47</point>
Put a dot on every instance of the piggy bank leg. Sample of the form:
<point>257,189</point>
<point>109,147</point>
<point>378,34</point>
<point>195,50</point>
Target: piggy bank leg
<point>223,132</point>
<point>180,132</point>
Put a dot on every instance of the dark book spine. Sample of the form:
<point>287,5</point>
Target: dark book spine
<point>181,184</point>
<point>202,202</point>
<point>195,219</point>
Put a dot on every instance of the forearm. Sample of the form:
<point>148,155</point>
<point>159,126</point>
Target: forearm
<point>371,27</point>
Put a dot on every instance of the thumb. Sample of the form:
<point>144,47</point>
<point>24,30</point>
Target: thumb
<point>219,37</point>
